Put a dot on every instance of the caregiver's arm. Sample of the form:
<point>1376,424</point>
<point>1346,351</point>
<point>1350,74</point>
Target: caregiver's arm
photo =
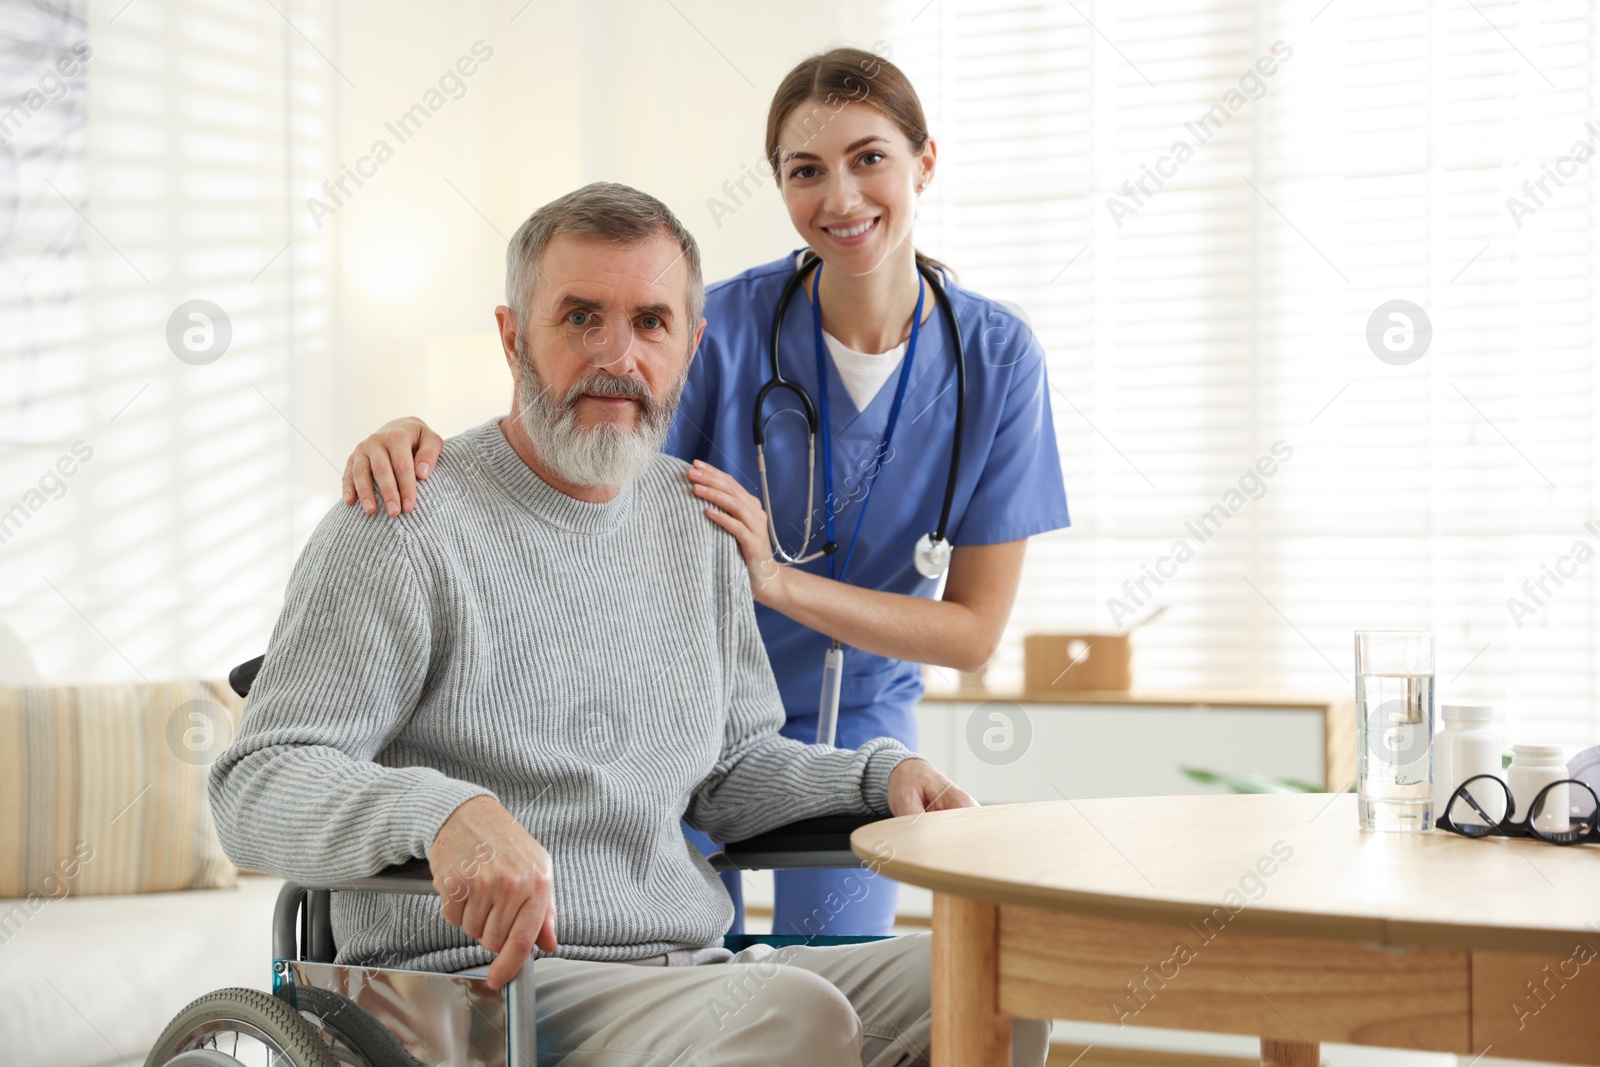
<point>960,631</point>
<point>762,779</point>
<point>395,458</point>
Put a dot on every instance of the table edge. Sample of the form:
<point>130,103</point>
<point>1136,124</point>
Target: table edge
<point>1257,921</point>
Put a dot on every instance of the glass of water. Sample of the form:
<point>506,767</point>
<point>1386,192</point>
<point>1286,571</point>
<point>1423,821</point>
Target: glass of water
<point>1394,727</point>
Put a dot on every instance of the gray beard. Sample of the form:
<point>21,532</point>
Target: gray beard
<point>607,454</point>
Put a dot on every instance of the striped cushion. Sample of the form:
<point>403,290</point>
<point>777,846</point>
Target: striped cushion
<point>103,788</point>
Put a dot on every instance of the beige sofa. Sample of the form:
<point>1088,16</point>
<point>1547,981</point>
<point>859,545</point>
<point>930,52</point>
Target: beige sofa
<point>117,904</point>
<point>92,981</point>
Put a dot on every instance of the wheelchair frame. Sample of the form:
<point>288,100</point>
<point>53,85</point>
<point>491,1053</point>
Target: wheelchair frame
<point>494,1029</point>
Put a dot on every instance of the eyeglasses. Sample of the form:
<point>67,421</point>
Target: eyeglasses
<point>1563,813</point>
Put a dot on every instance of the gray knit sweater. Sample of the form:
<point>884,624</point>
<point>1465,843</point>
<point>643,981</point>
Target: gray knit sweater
<point>594,667</point>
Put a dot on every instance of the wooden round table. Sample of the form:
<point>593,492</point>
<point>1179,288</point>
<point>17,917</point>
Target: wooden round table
<point>1272,915</point>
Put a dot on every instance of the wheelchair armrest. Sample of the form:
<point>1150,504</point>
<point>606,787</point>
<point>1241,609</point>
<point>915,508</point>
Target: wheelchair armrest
<point>809,843</point>
<point>301,917</point>
<point>820,842</point>
<point>412,876</point>
<point>244,675</point>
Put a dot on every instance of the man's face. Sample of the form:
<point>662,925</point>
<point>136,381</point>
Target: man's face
<point>601,354</point>
<point>600,309</point>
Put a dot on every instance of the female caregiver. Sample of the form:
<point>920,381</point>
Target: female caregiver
<point>850,152</point>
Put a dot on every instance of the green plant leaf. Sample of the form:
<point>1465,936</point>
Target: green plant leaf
<point>1250,783</point>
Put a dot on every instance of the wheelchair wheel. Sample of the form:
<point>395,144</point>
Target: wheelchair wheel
<point>355,1038</point>
<point>248,1027</point>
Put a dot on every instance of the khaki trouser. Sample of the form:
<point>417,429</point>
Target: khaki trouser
<point>834,1006</point>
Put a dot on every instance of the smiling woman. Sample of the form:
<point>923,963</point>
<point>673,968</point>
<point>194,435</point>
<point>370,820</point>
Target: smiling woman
<point>850,152</point>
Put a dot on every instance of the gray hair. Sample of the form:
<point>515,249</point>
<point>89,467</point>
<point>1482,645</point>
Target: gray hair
<point>608,210</point>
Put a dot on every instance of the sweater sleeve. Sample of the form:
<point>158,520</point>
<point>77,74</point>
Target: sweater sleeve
<point>762,779</point>
<point>301,792</point>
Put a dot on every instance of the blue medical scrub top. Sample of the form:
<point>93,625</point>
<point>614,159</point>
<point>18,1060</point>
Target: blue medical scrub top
<point>1010,485</point>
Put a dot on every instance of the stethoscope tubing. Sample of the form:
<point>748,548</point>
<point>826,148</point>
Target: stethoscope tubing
<point>776,381</point>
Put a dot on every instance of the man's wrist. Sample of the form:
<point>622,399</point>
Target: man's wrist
<point>881,766</point>
<point>449,799</point>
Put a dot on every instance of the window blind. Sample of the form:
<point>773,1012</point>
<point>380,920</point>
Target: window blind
<point>43,260</point>
<point>149,482</point>
<point>1198,205</point>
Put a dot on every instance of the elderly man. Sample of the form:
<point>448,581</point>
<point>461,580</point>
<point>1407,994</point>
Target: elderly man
<point>531,682</point>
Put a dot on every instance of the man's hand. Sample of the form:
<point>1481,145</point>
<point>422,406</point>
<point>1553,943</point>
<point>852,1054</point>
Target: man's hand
<point>916,786</point>
<point>494,882</point>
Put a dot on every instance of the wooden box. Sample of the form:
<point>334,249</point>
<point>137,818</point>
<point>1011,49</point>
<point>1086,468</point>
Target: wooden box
<point>1077,662</point>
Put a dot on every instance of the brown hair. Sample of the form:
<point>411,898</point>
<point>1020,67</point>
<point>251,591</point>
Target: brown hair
<point>841,76</point>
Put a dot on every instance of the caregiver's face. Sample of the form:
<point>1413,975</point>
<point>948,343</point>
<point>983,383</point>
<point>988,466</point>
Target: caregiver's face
<point>850,181</point>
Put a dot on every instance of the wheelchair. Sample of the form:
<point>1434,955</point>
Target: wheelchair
<point>323,1014</point>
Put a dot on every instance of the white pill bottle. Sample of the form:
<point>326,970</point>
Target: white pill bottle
<point>1467,745</point>
<point>1534,766</point>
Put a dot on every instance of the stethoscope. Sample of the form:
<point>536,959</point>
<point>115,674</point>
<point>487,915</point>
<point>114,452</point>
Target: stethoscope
<point>931,555</point>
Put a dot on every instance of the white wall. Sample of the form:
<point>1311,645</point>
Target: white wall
<point>209,124</point>
<point>668,98</point>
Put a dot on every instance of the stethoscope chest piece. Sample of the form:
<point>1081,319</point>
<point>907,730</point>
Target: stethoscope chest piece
<point>931,556</point>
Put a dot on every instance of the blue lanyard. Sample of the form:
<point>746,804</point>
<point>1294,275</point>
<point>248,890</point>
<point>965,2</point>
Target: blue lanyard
<point>827,427</point>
